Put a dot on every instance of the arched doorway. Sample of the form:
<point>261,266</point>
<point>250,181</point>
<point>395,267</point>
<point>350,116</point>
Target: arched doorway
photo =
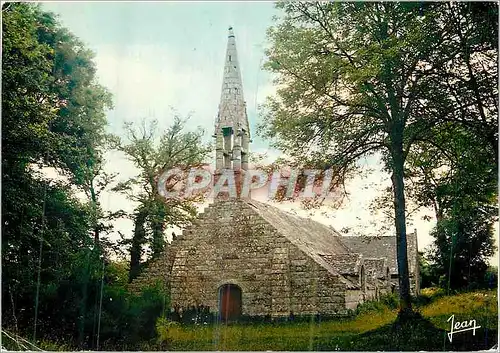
<point>229,302</point>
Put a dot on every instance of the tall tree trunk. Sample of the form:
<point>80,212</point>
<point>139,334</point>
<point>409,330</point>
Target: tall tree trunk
<point>137,242</point>
<point>95,209</point>
<point>157,225</point>
<point>400,217</point>
<point>83,303</point>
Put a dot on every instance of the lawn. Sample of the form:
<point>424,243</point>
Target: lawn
<point>374,328</point>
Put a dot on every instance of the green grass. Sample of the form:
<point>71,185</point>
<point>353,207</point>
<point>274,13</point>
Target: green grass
<point>290,336</point>
<point>481,306</point>
<point>375,328</point>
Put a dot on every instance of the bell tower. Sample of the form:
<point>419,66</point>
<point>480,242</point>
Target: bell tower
<point>232,133</point>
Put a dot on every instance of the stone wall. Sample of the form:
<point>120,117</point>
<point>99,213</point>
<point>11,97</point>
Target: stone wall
<point>157,273</point>
<point>414,282</point>
<point>353,298</point>
<point>232,244</point>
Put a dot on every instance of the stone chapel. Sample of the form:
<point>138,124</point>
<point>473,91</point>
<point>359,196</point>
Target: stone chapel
<point>245,257</point>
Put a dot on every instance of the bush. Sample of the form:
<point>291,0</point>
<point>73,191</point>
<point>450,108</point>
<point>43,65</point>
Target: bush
<point>428,295</point>
<point>387,302</point>
<point>491,277</point>
<point>129,320</point>
<point>165,328</point>
<point>54,346</point>
<point>370,307</point>
<point>433,293</point>
<point>390,300</point>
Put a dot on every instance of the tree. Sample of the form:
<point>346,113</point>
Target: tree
<point>469,77</point>
<point>175,148</point>
<point>459,163</point>
<point>356,79</point>
<point>53,116</point>
<point>83,101</point>
<point>26,80</point>
<point>458,180</point>
<point>428,277</point>
<point>51,94</point>
<point>455,178</point>
<point>462,246</point>
<point>344,72</point>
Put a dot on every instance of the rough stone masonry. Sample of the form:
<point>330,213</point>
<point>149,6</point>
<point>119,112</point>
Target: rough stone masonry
<point>244,257</point>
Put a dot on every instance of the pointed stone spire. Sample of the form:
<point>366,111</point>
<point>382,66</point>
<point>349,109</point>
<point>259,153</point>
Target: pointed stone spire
<point>231,127</point>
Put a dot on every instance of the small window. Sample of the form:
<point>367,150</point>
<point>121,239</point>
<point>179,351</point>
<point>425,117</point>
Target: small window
<point>229,57</point>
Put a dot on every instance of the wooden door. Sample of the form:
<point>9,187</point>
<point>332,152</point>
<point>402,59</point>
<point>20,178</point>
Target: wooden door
<point>229,302</point>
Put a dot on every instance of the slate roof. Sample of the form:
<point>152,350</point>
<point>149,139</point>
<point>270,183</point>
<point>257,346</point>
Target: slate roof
<point>338,253</point>
<point>345,264</point>
<point>382,247</point>
<point>313,238</point>
<point>376,267</point>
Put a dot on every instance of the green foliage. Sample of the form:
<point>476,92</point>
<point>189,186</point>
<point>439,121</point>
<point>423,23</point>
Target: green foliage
<point>386,302</point>
<point>491,277</point>
<point>453,169</point>
<point>54,346</point>
<point>166,330</point>
<point>53,115</point>
<point>462,247</point>
<point>129,321</point>
<point>370,306</point>
<point>351,83</point>
<point>62,233</point>
<point>390,300</point>
<point>54,111</point>
<point>153,154</point>
<point>27,66</point>
<point>458,179</point>
<point>433,292</point>
<point>428,295</point>
<point>428,275</point>
<point>400,79</point>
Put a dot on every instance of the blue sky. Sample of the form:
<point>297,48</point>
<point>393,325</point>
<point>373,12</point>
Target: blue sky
<point>154,56</point>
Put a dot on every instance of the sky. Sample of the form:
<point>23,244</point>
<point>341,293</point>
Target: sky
<point>157,58</point>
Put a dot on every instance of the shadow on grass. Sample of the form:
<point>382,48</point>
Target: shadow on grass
<point>413,332</point>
